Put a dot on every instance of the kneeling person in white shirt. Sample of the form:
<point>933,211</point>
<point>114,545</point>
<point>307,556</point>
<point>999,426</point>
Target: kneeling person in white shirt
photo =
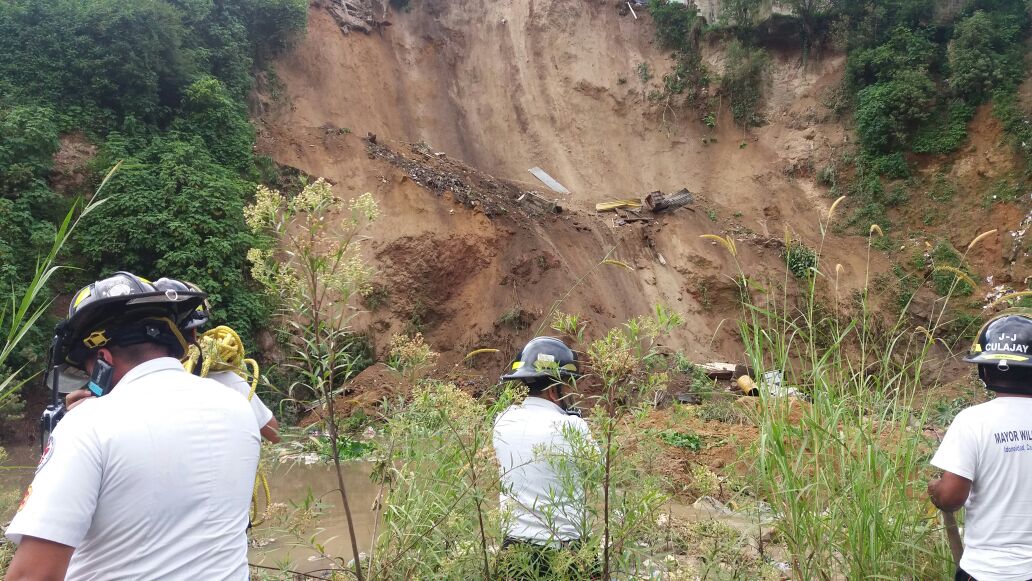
<point>151,480</point>
<point>530,440</point>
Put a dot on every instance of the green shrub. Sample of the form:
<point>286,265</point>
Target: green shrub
<point>684,440</point>
<point>800,259</point>
<point>174,211</point>
<point>905,52</point>
<point>892,165</point>
<point>981,56</point>
<point>1017,123</point>
<point>946,130</point>
<point>944,254</point>
<point>746,72</point>
<point>676,24</point>
<point>210,112</point>
<point>888,111</point>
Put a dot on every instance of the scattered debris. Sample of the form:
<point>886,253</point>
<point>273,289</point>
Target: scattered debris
<point>747,385</point>
<point>723,371</point>
<point>474,189</point>
<point>658,202</point>
<point>548,180</point>
<point>541,202</point>
<point>355,14</point>
<point>615,204</point>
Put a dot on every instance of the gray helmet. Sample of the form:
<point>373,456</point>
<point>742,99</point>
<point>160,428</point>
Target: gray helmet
<point>543,358</point>
<point>201,315</point>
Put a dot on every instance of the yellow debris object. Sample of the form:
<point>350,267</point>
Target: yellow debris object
<point>615,204</point>
<point>746,384</point>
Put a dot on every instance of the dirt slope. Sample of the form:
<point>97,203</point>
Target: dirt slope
<point>505,86</point>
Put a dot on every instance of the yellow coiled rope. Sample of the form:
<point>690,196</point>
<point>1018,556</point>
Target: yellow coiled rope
<point>220,349</point>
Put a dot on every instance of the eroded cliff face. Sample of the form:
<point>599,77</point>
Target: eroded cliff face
<point>500,87</point>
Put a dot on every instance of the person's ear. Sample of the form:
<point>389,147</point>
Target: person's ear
<point>104,354</point>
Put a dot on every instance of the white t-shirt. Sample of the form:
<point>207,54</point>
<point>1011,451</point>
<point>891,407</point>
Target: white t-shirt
<point>152,481</point>
<point>533,450</point>
<point>991,445</point>
<point>238,384</point>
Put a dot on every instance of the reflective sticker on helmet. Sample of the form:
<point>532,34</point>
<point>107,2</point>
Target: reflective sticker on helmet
<point>96,339</point>
<point>546,357</point>
<point>119,290</point>
<point>1001,357</point>
<point>1007,347</point>
<point>83,295</point>
<point>517,364</point>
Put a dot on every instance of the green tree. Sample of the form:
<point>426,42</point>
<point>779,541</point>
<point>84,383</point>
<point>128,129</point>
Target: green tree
<point>677,25</point>
<point>172,210</point>
<point>122,56</point>
<point>887,112</point>
<point>978,57</point>
<point>211,113</point>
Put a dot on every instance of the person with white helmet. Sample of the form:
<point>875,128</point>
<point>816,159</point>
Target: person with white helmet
<point>986,457</point>
<point>152,479</point>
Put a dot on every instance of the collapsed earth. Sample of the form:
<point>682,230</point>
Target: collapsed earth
<point>541,289</point>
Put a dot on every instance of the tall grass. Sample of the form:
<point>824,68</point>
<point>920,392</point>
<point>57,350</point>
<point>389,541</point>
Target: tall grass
<point>846,472</point>
<point>23,310</point>
<point>315,272</point>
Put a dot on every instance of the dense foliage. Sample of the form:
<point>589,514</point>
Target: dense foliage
<point>160,84</point>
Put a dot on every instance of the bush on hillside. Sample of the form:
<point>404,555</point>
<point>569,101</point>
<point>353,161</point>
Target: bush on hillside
<point>676,24</point>
<point>746,73</point>
<point>979,57</point>
<point>887,112</point>
<point>172,210</point>
<point>905,51</point>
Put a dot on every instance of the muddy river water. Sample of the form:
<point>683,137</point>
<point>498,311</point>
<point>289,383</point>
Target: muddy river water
<point>291,483</point>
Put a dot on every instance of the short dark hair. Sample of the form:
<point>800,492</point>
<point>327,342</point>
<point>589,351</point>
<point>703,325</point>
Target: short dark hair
<point>539,385</point>
<point>1014,379</point>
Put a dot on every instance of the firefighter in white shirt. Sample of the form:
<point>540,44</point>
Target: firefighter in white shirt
<point>986,456</point>
<point>153,479</point>
<point>230,379</point>
<point>545,513</point>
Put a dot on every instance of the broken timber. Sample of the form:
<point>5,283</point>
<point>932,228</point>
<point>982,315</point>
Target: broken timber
<point>616,204</point>
<point>541,202</point>
<point>658,202</point>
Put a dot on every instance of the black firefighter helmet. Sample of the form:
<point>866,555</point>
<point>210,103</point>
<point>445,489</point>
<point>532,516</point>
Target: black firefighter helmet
<point>1003,352</point>
<point>123,309</point>
<point>543,358</point>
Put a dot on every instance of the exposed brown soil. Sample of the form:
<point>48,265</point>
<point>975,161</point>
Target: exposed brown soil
<point>462,97</point>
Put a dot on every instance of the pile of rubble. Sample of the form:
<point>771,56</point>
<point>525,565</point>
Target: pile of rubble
<point>361,15</point>
<point>435,171</point>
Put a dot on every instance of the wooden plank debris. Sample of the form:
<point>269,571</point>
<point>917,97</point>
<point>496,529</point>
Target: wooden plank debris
<point>615,204</point>
<point>541,202</point>
<point>718,370</point>
<point>548,180</point>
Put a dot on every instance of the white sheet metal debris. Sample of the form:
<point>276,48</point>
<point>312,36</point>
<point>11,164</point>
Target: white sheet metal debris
<point>548,180</point>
